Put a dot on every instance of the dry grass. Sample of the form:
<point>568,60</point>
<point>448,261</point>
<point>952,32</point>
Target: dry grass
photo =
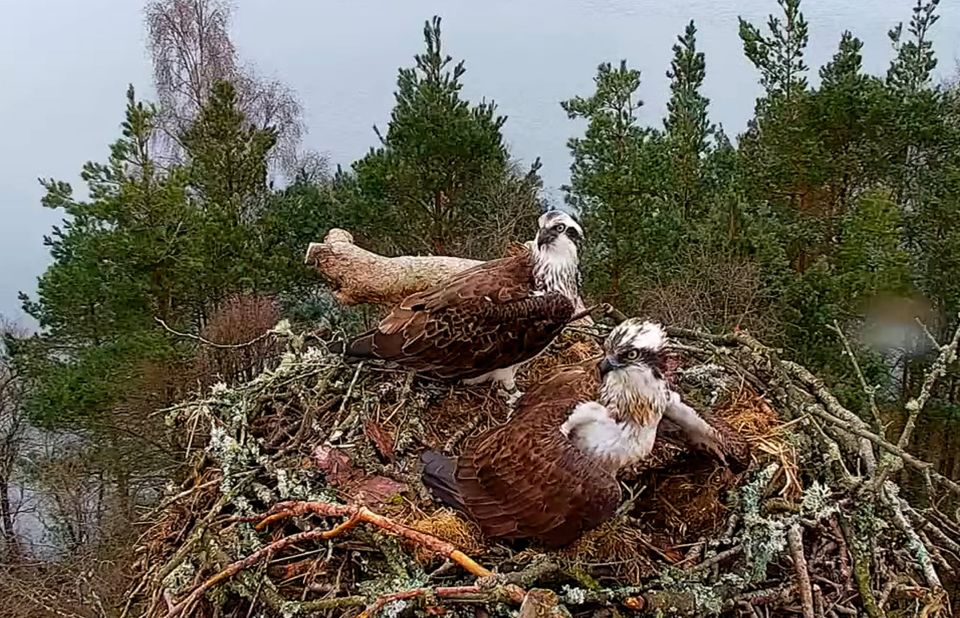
<point>448,526</point>
<point>569,349</point>
<point>617,549</point>
<point>757,422</point>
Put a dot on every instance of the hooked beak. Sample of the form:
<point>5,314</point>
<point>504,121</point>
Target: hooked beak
<point>546,236</point>
<point>606,366</point>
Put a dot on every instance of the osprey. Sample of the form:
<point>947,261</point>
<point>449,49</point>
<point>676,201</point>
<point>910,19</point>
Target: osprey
<point>480,324</point>
<point>549,473</point>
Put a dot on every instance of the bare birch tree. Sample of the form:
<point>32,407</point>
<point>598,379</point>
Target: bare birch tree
<point>189,42</point>
<point>12,430</point>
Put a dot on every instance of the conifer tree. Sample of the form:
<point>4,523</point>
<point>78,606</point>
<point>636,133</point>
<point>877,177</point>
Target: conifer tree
<point>687,124</point>
<point>779,56</point>
<point>426,183</point>
<point>118,260</point>
<point>617,182</point>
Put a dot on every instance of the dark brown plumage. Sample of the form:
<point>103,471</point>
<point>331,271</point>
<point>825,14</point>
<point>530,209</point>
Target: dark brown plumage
<point>567,493</point>
<point>483,319</point>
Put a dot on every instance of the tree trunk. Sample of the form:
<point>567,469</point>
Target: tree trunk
<point>10,545</point>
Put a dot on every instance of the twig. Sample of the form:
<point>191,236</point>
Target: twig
<point>869,391</point>
<point>795,541</point>
<point>926,331</point>
<point>346,422</point>
<point>716,559</point>
<point>256,557</point>
<point>614,314</point>
<point>913,462</point>
<point>586,312</point>
<point>187,492</point>
<point>948,354</point>
<point>844,552</point>
<point>284,510</point>
<point>920,552</point>
<point>464,431</point>
<point>928,526</point>
<point>509,592</point>
<point>861,573</point>
<point>213,344</point>
<point>851,421</point>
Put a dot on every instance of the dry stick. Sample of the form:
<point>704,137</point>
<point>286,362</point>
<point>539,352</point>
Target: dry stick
<point>511,592</point>
<point>936,553</point>
<point>870,391</point>
<point>257,556</point>
<point>861,572</point>
<point>833,405</point>
<point>716,559</point>
<point>913,462</point>
<point>948,354</point>
<point>845,572</point>
<point>795,541</point>
<point>212,344</point>
<point>914,543</point>
<point>284,510</point>
<point>589,310</point>
<point>926,525</point>
<point>344,425</point>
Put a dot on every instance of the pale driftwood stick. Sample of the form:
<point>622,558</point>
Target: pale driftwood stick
<point>360,276</point>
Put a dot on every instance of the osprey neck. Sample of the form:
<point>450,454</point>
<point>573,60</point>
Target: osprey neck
<point>556,269</point>
<point>634,395</point>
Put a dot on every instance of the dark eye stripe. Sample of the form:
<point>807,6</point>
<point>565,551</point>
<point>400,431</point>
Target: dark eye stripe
<point>657,361</point>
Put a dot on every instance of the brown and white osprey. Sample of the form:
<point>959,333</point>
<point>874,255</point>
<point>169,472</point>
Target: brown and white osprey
<point>549,473</point>
<point>479,325</point>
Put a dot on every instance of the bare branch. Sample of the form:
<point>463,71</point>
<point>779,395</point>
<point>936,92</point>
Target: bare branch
<point>869,391</point>
<point>948,354</point>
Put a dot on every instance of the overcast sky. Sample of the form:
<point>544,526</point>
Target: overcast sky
<point>65,66</point>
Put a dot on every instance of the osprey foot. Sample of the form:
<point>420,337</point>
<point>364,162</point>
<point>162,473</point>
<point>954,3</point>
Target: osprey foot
<point>510,397</point>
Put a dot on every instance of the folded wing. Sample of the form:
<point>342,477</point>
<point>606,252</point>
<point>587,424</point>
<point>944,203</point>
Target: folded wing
<point>525,479</point>
<point>485,318</point>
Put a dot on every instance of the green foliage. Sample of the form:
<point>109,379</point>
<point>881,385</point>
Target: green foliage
<point>911,69</point>
<point>617,180</point>
<point>154,242</point>
<point>687,124</point>
<point>779,56</point>
<point>835,196</point>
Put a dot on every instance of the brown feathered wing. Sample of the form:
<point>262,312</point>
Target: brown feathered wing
<point>525,479</point>
<point>485,318</point>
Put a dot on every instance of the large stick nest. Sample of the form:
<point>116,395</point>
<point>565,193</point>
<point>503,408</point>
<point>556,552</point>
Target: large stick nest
<point>330,451</point>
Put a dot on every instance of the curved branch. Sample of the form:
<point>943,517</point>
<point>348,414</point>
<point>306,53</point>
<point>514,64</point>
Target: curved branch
<point>360,276</point>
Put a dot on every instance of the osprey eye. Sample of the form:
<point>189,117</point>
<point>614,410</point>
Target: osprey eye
<point>632,355</point>
<point>561,228</point>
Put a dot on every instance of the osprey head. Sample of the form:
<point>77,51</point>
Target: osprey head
<point>635,344</point>
<point>558,232</point>
<point>634,365</point>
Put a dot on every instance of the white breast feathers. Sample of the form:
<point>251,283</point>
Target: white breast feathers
<point>597,433</point>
